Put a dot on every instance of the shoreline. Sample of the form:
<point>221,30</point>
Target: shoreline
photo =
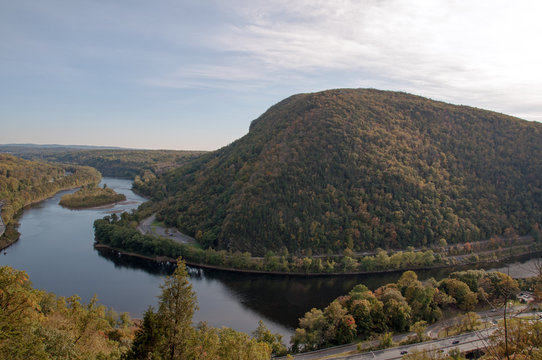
<point>97,207</point>
<point>11,227</point>
<point>91,196</point>
<point>172,261</point>
<point>18,214</point>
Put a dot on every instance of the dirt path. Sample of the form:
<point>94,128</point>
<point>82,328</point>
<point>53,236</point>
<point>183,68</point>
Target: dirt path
<point>146,227</point>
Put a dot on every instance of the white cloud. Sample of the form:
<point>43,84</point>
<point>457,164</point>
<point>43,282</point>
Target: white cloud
<point>459,51</point>
<point>169,59</point>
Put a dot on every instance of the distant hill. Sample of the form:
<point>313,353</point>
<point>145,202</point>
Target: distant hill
<point>116,162</point>
<point>6,147</point>
<point>360,169</point>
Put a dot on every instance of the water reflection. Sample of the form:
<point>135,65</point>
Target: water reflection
<point>119,261</point>
<point>56,249</point>
<point>284,299</point>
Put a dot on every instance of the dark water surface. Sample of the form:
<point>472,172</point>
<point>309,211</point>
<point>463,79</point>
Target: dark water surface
<point>56,249</point>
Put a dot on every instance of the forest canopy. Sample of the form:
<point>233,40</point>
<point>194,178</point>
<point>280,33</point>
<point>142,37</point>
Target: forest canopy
<point>124,163</point>
<point>359,169</point>
<point>23,182</point>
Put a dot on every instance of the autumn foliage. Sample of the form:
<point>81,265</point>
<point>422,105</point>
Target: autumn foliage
<point>360,169</point>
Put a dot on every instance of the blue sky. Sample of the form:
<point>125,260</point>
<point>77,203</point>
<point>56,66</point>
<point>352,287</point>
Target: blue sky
<point>179,74</point>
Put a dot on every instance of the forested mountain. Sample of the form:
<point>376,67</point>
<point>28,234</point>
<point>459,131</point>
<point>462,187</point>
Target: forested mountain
<point>360,169</point>
<point>125,163</point>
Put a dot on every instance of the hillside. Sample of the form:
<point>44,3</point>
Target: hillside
<point>125,163</point>
<point>23,182</point>
<point>360,169</point>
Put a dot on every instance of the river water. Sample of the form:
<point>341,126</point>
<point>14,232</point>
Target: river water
<point>56,250</point>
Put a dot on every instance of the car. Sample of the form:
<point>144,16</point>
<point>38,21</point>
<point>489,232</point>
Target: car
<point>455,342</point>
<point>404,352</point>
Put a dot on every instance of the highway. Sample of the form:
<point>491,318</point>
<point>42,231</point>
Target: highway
<point>465,343</point>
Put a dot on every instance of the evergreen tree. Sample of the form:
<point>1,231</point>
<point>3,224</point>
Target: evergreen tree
<point>177,306</point>
<point>147,338</point>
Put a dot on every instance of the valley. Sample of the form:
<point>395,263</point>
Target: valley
<point>394,184</point>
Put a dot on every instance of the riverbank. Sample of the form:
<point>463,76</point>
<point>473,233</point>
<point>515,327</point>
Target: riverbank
<point>55,249</point>
<point>164,260</point>
<point>10,235</point>
<point>123,235</point>
<point>24,183</point>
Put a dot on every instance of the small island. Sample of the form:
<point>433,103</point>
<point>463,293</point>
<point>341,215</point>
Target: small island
<point>91,196</point>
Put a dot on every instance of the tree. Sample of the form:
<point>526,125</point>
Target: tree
<point>38,325</point>
<point>419,329</point>
<point>263,334</point>
<point>407,279</point>
<point>497,289</point>
<point>168,334</point>
<point>523,341</point>
<point>399,314</point>
<point>177,307</point>
<point>149,337</point>
<point>238,345</point>
<point>361,311</point>
<point>470,321</point>
<point>396,309</point>
<point>385,340</point>
<point>310,334</point>
<point>334,314</point>
<point>18,316</point>
<point>469,277</point>
<point>465,298</point>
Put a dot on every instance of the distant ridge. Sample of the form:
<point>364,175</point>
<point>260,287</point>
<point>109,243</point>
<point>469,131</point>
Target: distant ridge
<point>110,161</point>
<point>54,146</point>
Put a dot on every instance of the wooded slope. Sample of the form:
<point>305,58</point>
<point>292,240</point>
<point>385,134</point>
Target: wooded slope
<point>360,169</point>
<point>125,163</point>
<point>23,182</point>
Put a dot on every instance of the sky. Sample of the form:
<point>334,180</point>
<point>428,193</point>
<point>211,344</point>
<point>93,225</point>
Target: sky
<point>192,75</point>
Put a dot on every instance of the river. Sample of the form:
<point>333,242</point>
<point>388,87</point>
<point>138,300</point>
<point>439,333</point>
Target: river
<point>56,250</point>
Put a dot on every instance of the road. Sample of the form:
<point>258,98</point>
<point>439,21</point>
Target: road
<point>488,316</point>
<point>466,342</point>
<point>146,227</point>
<point>2,225</point>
